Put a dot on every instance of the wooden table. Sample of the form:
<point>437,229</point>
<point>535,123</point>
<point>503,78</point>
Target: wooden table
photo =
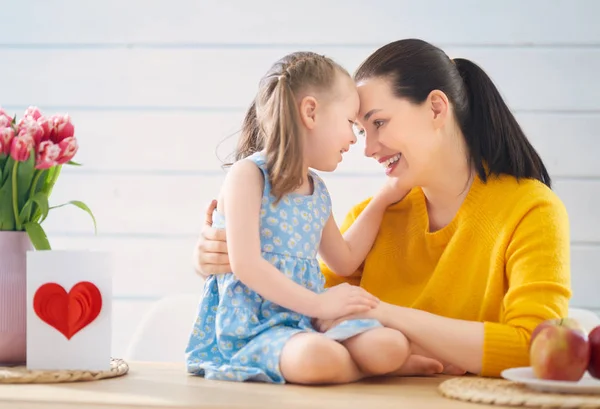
<point>156,385</point>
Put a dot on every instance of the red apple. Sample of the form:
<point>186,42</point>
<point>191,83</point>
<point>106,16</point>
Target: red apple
<point>567,322</point>
<point>560,353</point>
<point>594,366</point>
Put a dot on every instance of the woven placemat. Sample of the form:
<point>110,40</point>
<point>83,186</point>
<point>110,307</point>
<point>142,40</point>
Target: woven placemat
<point>20,374</point>
<point>503,392</point>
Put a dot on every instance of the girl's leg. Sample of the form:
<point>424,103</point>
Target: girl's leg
<point>379,351</point>
<point>313,359</point>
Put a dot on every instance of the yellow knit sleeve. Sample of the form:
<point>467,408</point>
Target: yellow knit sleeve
<point>331,278</point>
<point>537,265</point>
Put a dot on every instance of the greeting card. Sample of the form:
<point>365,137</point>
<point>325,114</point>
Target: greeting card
<point>69,303</point>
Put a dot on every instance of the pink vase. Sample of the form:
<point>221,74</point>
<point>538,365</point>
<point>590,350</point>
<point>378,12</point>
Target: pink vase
<point>13,292</point>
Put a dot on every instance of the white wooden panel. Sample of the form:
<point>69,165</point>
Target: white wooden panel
<point>310,21</point>
<point>155,267</point>
<point>146,267</point>
<point>568,143</point>
<point>585,276</point>
<point>157,141</point>
<point>127,314</point>
<point>582,200</point>
<point>134,204</point>
<point>202,142</point>
<point>530,78</point>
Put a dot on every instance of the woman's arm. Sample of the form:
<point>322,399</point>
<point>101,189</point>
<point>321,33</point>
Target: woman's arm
<point>538,279</point>
<point>457,342</point>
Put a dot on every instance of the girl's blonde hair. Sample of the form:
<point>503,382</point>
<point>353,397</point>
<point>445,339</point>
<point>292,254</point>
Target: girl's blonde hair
<point>273,121</point>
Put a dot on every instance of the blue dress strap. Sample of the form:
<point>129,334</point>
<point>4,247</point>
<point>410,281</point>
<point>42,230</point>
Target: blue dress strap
<point>260,160</point>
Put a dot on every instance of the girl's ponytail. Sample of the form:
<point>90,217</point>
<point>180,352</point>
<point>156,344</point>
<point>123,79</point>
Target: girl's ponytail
<point>285,152</point>
<point>250,140</point>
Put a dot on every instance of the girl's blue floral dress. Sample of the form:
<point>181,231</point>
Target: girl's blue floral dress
<point>238,335</point>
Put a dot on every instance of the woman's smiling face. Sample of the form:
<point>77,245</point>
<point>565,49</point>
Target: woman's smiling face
<point>399,134</point>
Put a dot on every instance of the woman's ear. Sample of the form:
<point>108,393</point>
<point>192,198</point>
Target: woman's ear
<point>308,111</point>
<point>439,105</point>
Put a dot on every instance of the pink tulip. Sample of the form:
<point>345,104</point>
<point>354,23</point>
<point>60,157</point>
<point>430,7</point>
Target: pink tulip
<point>68,149</point>
<point>21,147</point>
<point>6,137</point>
<point>33,112</point>
<point>63,128</point>
<point>47,155</point>
<point>30,126</point>
<point>5,119</point>
<point>47,127</point>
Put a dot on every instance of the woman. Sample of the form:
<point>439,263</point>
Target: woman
<point>477,254</point>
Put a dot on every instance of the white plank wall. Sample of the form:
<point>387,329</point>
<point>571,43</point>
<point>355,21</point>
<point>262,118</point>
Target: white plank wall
<point>157,90</point>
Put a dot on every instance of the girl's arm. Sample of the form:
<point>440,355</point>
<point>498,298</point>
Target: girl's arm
<point>343,254</point>
<point>241,200</point>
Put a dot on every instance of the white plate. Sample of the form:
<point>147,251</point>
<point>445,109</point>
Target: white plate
<point>525,375</point>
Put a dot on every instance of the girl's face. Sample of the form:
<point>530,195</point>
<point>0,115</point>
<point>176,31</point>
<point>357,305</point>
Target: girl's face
<point>400,135</point>
<point>329,119</point>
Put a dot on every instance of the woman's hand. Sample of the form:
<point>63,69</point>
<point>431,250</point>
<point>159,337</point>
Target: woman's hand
<point>210,253</point>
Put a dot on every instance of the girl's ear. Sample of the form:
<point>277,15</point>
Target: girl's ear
<point>308,111</point>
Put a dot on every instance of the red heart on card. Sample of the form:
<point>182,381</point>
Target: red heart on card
<point>69,312</point>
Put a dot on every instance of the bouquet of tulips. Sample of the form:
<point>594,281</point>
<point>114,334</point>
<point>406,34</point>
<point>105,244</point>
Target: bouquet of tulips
<point>32,153</point>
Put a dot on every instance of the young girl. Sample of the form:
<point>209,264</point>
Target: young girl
<point>255,323</point>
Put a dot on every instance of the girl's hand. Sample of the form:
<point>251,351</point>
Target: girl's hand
<point>391,192</point>
<point>343,300</point>
<point>323,325</point>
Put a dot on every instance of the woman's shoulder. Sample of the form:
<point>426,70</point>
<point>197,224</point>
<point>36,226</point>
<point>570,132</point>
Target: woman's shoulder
<point>505,202</point>
<point>498,195</point>
<point>505,189</point>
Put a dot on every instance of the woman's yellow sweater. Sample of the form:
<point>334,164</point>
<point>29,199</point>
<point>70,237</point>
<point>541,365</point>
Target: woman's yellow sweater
<point>504,260</point>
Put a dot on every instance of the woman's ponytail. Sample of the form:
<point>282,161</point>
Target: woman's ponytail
<point>491,131</point>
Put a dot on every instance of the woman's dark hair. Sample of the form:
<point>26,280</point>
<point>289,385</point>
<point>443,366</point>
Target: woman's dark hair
<point>493,137</point>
